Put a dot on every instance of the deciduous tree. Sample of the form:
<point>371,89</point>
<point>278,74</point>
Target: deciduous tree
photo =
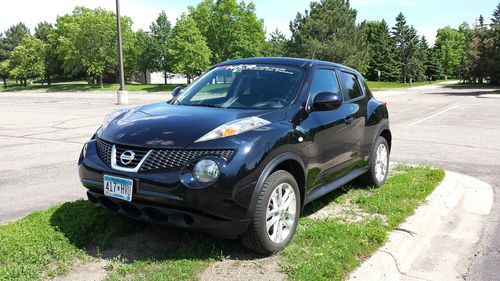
<point>189,50</point>
<point>26,60</point>
<point>161,31</point>
<point>231,30</point>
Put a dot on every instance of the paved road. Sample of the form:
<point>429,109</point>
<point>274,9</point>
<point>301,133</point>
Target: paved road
<point>41,136</point>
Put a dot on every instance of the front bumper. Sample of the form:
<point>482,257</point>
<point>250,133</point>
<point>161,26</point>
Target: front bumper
<point>161,198</point>
<point>190,220</point>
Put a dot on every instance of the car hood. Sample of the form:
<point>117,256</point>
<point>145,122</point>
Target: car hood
<point>162,125</point>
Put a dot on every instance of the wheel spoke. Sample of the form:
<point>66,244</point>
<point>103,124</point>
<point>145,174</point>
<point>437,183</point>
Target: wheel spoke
<point>271,213</point>
<point>279,231</point>
<point>272,222</point>
<point>279,190</point>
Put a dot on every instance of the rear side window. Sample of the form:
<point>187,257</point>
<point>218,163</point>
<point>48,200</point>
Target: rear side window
<point>324,80</point>
<point>350,86</point>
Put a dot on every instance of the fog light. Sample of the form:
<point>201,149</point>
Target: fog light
<point>206,171</point>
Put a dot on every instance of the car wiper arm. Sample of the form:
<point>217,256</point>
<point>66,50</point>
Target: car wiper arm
<point>206,105</point>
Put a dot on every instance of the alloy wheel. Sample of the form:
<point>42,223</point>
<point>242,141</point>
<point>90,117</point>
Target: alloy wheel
<point>281,212</point>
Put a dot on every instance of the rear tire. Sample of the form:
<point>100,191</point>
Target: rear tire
<point>378,164</point>
<point>275,218</point>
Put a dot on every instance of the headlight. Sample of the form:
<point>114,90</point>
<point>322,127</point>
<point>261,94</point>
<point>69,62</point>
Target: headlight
<point>234,128</point>
<point>110,117</point>
<point>84,150</point>
<point>206,171</point>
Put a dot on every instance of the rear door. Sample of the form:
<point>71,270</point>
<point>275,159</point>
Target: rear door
<point>355,99</point>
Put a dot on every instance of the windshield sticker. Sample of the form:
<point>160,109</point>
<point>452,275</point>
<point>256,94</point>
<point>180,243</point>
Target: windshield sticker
<point>241,67</point>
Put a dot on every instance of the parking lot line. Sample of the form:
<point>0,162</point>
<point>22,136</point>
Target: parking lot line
<point>433,115</point>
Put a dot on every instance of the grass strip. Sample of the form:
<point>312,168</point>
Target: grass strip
<point>47,243</point>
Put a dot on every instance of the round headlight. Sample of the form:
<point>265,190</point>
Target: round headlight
<point>206,171</point>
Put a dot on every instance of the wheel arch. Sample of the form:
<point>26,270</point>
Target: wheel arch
<point>287,161</point>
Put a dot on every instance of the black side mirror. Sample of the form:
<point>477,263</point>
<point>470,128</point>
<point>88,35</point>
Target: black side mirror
<point>177,91</point>
<point>327,101</point>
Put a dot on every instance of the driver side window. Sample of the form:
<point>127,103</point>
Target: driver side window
<point>324,80</point>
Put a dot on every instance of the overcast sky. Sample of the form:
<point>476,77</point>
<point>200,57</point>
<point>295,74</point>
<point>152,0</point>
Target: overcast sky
<point>426,15</point>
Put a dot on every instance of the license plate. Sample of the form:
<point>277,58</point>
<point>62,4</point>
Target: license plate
<point>118,187</point>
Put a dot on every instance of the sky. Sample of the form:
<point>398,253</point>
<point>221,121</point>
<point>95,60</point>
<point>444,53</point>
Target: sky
<point>425,15</point>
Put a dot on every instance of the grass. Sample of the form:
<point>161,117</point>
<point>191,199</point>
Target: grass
<point>82,86</point>
<point>47,243</point>
<point>378,86</point>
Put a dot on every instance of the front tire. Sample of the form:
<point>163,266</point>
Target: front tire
<point>379,164</point>
<point>276,214</point>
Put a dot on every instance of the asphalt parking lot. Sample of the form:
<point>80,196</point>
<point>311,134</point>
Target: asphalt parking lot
<point>41,135</point>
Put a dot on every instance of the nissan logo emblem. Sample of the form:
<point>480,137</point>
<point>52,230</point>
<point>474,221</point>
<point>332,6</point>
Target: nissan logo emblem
<point>127,157</point>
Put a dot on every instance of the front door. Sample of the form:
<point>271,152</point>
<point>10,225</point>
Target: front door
<point>330,132</point>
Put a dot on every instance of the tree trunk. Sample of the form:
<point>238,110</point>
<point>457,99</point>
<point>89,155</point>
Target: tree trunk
<point>165,77</point>
<point>48,80</point>
<point>145,77</point>
<point>25,82</point>
<point>100,81</point>
<point>4,82</point>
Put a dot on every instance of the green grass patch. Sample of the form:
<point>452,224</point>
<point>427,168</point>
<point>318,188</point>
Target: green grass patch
<point>47,243</point>
<point>328,249</point>
<point>380,86</point>
<point>82,86</point>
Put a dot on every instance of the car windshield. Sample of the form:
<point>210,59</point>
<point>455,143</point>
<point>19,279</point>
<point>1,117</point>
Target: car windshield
<point>245,86</point>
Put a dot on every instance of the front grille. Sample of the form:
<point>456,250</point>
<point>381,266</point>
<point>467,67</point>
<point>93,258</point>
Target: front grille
<point>174,158</point>
<point>104,150</point>
<point>158,159</point>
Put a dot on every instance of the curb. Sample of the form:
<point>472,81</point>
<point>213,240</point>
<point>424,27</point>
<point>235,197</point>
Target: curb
<point>489,96</point>
<point>439,240</point>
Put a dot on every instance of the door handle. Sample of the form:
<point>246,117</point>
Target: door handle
<point>348,120</point>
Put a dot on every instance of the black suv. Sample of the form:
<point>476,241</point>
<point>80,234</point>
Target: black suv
<point>240,151</point>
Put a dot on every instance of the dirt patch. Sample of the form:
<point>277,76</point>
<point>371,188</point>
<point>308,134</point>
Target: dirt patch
<point>143,244</point>
<point>344,212</point>
<point>244,270</point>
<point>94,270</point>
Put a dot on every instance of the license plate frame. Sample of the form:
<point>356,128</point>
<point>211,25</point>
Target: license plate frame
<point>118,187</point>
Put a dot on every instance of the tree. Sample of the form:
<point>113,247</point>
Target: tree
<point>4,71</point>
<point>433,69</point>
<point>161,30</point>
<point>189,50</point>
<point>87,42</point>
<point>231,30</point>
<point>406,38</point>
<point>383,56</point>
<point>329,32</point>
<point>143,55</point>
<point>450,44</point>
<point>46,33</point>
<point>494,50</point>
<point>26,61</point>
<point>13,37</point>
<point>276,46</point>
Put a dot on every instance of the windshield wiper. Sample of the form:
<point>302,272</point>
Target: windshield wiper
<point>206,105</point>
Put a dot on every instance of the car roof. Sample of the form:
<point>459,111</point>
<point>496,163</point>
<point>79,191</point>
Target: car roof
<point>299,62</point>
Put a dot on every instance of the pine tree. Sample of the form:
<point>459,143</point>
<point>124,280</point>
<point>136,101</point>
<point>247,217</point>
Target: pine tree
<point>276,46</point>
<point>383,56</point>
<point>405,38</point>
<point>329,32</point>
